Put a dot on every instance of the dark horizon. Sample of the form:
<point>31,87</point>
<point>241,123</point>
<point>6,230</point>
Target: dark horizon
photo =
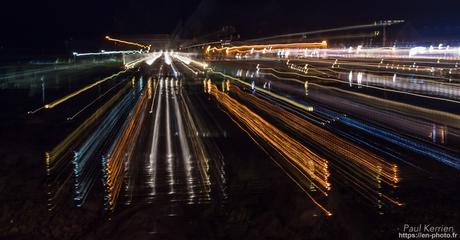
<point>49,24</point>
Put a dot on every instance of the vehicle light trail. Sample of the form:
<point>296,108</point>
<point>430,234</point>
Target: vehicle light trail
<point>63,99</point>
<point>149,59</point>
<point>128,42</point>
<point>153,156</point>
<point>381,67</point>
<point>103,52</point>
<point>245,48</point>
<point>414,146</point>
<point>393,53</point>
<point>407,79</point>
<point>169,145</point>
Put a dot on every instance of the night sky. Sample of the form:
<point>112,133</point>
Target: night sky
<point>48,23</point>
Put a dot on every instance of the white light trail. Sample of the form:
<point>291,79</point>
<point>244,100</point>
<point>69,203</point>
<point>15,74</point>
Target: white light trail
<point>153,158</point>
<point>103,52</point>
<point>169,148</point>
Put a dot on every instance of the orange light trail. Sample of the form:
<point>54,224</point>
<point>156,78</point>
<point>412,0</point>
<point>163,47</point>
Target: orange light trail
<point>115,163</point>
<point>245,48</point>
<point>63,99</point>
<point>127,42</point>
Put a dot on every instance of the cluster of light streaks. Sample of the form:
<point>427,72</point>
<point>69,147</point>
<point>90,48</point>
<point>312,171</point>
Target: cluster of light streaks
<point>367,170</point>
<point>321,50</point>
<point>313,167</point>
<point>440,90</point>
<point>406,84</point>
<point>426,68</point>
<point>108,145</point>
<point>361,167</point>
<point>84,166</point>
<point>53,157</point>
<point>440,52</point>
<point>415,111</point>
<point>56,160</point>
<point>423,87</point>
<point>116,161</point>
<point>187,160</point>
<point>425,71</point>
<point>179,163</point>
<point>420,148</point>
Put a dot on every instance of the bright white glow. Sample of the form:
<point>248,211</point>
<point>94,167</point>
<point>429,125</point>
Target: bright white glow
<point>360,78</point>
<point>350,79</point>
<point>168,59</point>
<point>189,61</point>
<point>417,50</point>
<point>154,57</point>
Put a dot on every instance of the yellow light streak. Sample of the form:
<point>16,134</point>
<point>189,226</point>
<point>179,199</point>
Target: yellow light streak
<point>128,42</point>
<point>63,99</point>
<point>245,48</point>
